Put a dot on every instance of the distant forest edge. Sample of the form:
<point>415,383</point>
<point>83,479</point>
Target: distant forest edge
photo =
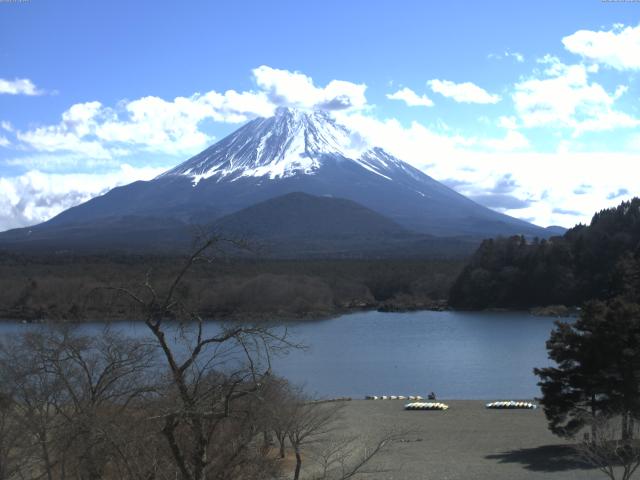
<point>598,261</point>
<point>80,288</point>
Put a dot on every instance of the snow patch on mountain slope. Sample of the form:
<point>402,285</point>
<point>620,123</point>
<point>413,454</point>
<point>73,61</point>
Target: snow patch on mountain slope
<point>292,142</point>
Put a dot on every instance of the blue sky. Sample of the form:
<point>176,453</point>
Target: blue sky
<point>532,108</point>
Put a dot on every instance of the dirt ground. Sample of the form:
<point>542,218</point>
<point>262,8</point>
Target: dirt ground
<point>466,442</point>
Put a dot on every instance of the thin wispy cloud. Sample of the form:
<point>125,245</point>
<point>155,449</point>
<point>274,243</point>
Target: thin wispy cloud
<point>411,98</point>
<point>621,192</point>
<point>466,92</point>
<point>516,56</point>
<point>564,211</point>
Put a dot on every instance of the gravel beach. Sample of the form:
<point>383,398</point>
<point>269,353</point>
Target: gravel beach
<point>466,442</point>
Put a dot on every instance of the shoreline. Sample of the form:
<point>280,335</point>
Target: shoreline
<point>35,317</point>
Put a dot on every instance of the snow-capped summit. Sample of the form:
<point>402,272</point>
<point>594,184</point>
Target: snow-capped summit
<point>290,143</point>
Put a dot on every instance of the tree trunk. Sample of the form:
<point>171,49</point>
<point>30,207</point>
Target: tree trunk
<point>296,474</point>
<point>46,456</point>
<point>594,429</point>
<point>169,433</point>
<point>281,440</point>
<point>200,454</point>
<point>625,426</point>
<point>267,441</point>
<point>89,463</point>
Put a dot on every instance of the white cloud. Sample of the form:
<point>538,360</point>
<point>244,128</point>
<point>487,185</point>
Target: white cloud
<point>634,143</point>
<point>618,48</point>
<point>174,126</point>
<point>411,98</point>
<point>154,124</point>
<point>6,125</point>
<point>148,123</point>
<point>415,144</point>
<point>517,56</point>
<point>564,97</point>
<point>4,141</point>
<point>546,185</point>
<point>510,123</point>
<point>58,162</point>
<point>466,92</point>
<point>543,186</point>
<point>36,196</point>
<point>71,134</point>
<point>18,86</point>
<point>295,89</point>
<point>512,141</point>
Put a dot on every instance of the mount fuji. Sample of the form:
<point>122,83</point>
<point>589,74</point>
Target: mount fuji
<point>292,151</point>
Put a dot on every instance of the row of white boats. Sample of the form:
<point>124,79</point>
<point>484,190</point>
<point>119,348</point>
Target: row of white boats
<point>417,404</point>
<point>393,397</point>
<point>509,404</point>
<point>512,404</point>
<point>426,406</point>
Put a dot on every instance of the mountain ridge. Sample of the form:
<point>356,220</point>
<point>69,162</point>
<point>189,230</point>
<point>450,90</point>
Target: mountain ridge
<point>293,151</point>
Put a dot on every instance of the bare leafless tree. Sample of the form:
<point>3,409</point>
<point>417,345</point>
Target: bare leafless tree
<point>341,458</point>
<point>191,401</point>
<point>100,376</point>
<point>70,393</point>
<point>214,375</point>
<point>614,448</point>
<point>278,405</point>
<point>15,447</point>
<point>309,422</point>
<point>34,395</point>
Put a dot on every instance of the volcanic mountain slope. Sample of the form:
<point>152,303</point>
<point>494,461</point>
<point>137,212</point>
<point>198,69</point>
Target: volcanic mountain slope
<point>299,215</point>
<point>294,225</point>
<point>302,225</point>
<point>293,151</point>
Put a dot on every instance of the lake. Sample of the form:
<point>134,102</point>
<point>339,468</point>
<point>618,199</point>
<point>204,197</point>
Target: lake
<point>457,355</point>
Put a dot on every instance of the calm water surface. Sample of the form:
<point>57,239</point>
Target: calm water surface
<point>458,355</point>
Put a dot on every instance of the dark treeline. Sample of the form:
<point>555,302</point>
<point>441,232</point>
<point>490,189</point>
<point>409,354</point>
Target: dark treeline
<point>67,287</point>
<point>599,261</point>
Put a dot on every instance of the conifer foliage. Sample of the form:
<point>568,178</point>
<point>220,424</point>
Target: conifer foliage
<point>599,261</point>
<point>597,372</point>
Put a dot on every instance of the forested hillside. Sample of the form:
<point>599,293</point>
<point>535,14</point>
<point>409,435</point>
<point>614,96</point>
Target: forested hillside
<point>598,261</point>
<point>70,287</point>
